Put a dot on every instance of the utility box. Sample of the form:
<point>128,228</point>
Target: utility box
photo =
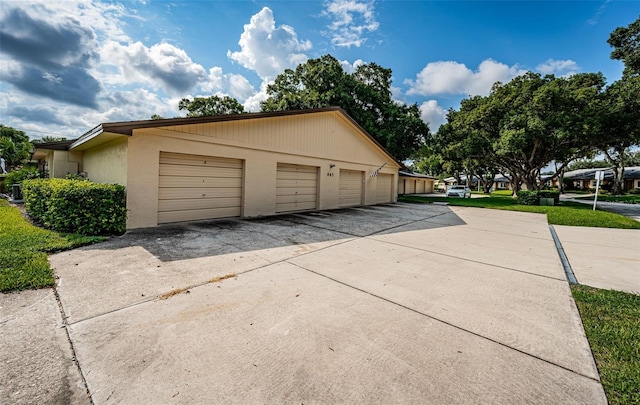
<point>547,201</point>
<point>16,192</point>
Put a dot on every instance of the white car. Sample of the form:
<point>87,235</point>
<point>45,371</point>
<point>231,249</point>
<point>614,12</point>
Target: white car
<point>459,191</point>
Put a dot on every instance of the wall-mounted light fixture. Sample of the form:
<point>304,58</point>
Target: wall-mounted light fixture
<point>331,165</point>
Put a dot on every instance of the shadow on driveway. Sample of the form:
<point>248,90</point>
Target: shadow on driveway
<point>209,238</point>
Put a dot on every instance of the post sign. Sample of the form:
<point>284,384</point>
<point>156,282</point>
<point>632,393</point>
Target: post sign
<point>599,176</point>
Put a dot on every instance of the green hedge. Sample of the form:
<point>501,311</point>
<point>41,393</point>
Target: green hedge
<point>77,206</point>
<point>526,197</point>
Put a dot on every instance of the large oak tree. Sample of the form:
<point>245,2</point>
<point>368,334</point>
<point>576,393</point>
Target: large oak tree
<point>365,95</point>
<point>522,126</point>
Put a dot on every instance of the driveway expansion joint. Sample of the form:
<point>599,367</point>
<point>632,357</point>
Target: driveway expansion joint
<point>568,271</point>
<point>471,260</point>
<point>448,323</point>
<point>74,358</point>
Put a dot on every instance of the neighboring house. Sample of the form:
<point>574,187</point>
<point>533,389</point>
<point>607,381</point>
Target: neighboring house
<point>500,182</point>
<point>585,178</point>
<point>56,159</point>
<point>245,165</point>
<point>415,183</point>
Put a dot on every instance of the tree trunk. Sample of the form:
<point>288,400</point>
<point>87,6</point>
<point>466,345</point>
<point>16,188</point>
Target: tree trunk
<point>618,177</point>
<point>516,182</point>
<point>616,158</point>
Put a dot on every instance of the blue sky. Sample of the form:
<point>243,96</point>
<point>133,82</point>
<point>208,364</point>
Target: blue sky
<point>66,66</point>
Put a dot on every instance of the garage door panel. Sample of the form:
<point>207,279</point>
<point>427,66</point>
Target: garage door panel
<point>207,182</point>
<point>296,191</point>
<point>299,206</point>
<point>197,192</point>
<point>288,175</point>
<point>196,160</point>
<point>288,199</point>
<point>194,215</point>
<point>420,187</point>
<point>410,187</point>
<point>193,187</point>
<point>198,204</point>
<point>311,183</point>
<point>199,171</point>
<point>296,187</point>
<point>350,188</point>
<point>383,188</point>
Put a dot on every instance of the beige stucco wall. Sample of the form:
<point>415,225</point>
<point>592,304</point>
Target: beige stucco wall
<point>60,163</point>
<point>319,140</point>
<point>107,163</point>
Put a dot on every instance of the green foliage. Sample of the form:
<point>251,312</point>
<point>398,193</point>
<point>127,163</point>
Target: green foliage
<point>23,248</point>
<point>527,197</point>
<point>611,322</point>
<point>209,106</point>
<point>78,206</point>
<point>523,125</point>
<point>14,146</point>
<point>365,95</point>
<point>626,44</point>
<point>619,125</point>
<point>18,176</point>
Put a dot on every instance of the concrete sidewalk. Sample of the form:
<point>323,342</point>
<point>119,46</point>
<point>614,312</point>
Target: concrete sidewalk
<point>389,304</point>
<point>602,257</point>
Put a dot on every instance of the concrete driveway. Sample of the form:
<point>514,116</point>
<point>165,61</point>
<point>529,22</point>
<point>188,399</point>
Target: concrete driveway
<point>388,304</point>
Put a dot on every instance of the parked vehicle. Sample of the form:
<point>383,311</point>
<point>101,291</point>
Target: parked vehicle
<point>459,191</point>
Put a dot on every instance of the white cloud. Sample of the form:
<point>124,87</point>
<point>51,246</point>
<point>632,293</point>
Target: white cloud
<point>351,67</point>
<point>351,20</point>
<point>252,103</point>
<point>234,85</point>
<point>449,77</point>
<point>269,50</point>
<point>433,114</point>
<point>162,65</point>
<point>558,67</point>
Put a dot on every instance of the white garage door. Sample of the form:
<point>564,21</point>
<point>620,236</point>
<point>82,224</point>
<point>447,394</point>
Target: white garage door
<point>350,188</point>
<point>420,186</point>
<point>193,187</point>
<point>383,190</point>
<point>296,188</point>
<point>410,186</point>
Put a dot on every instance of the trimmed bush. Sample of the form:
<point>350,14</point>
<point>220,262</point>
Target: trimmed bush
<point>526,197</point>
<point>18,176</point>
<point>77,206</point>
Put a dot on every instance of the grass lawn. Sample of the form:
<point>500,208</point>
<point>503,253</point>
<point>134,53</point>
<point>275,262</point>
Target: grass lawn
<point>24,248</point>
<point>627,199</point>
<point>611,321</point>
<point>567,213</point>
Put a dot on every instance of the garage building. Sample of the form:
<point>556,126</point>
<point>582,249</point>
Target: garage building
<point>244,165</point>
<point>415,183</point>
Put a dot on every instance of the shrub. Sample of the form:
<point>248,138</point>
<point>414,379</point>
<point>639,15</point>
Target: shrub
<point>635,191</point>
<point>18,176</point>
<point>526,197</point>
<point>77,206</point>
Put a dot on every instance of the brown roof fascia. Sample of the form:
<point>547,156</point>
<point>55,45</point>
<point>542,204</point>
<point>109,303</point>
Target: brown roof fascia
<point>56,145</point>
<point>127,127</point>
